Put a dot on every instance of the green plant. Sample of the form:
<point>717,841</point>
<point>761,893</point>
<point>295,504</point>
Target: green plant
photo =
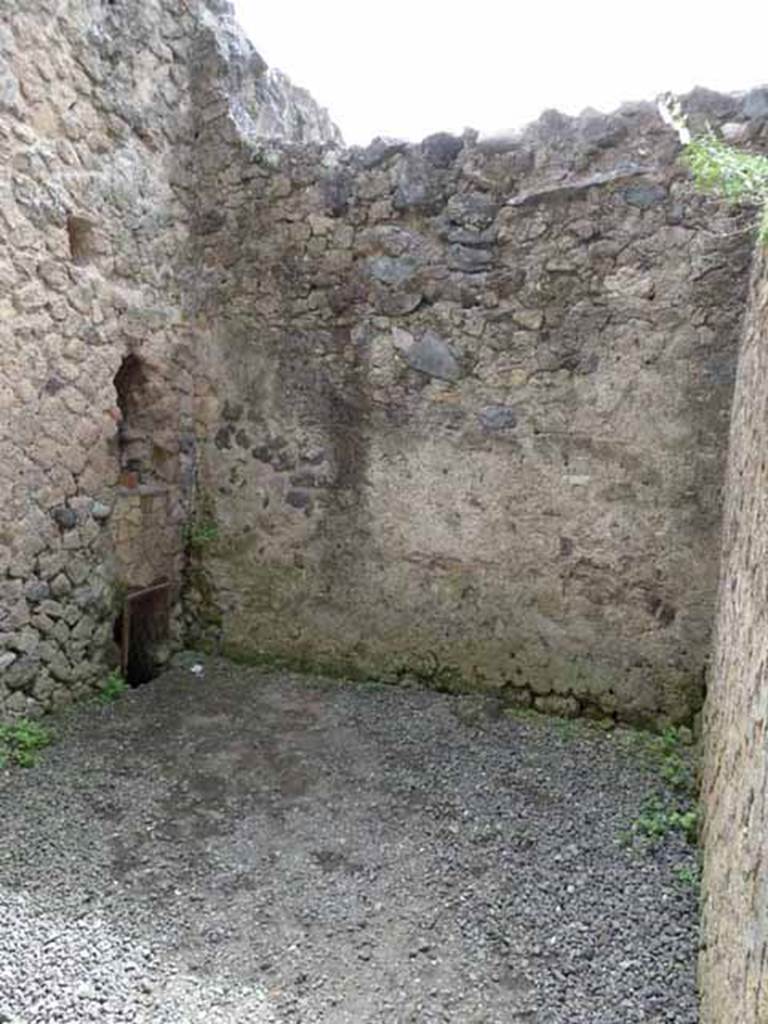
<point>687,875</point>
<point>675,772</point>
<point>658,818</point>
<point>666,755</point>
<point>114,686</point>
<point>687,821</point>
<point>671,808</point>
<point>652,821</point>
<point>718,168</point>
<point>201,532</point>
<point>20,742</point>
<point>728,172</point>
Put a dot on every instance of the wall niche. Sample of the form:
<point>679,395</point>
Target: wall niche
<point>147,448</point>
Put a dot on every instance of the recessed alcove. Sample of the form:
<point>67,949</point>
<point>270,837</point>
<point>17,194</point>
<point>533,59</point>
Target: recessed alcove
<point>81,235</point>
<point>147,446</point>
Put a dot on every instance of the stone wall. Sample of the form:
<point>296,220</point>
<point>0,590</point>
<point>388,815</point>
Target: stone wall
<point>465,408</point>
<point>734,963</point>
<point>455,410</point>
<point>98,156</point>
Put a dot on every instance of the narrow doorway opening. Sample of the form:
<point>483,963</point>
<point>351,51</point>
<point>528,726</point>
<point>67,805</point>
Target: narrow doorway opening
<point>141,631</point>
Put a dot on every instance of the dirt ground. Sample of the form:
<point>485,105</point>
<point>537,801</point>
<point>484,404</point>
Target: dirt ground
<point>251,847</point>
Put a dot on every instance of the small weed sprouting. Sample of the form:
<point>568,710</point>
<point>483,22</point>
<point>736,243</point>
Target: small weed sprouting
<point>730,173</point>
<point>735,175</point>
<point>20,743</point>
<point>658,818</point>
<point>652,821</point>
<point>687,822</point>
<point>688,876</point>
<point>676,773</point>
<point>672,807</point>
<point>113,688</point>
<point>666,754</point>
<point>200,533</point>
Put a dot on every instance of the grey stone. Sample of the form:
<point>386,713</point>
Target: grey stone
<point>9,91</point>
<point>441,149</point>
<point>83,629</point>
<point>472,209</point>
<point>429,354</point>
<point>469,260</point>
<point>515,698</point>
<point>101,511</point>
<point>602,130</point>
<point>184,659</point>
<point>50,564</point>
<point>25,642</point>
<point>735,132</point>
<point>71,612</point>
<point>47,651</point>
<point>497,417</point>
<point>60,586</point>
<point>43,624</point>
<point>7,658</point>
<point>43,686</point>
<point>755,103</point>
<point>563,707</point>
<point>337,191</point>
<point>60,668</point>
<point>471,237</point>
<point>17,704</point>
<point>299,499</point>
<point>305,478</point>
<point>51,609</point>
<point>396,302</point>
<point>575,186</point>
<point>21,674</point>
<point>393,271</point>
<point>61,633</point>
<point>36,590</point>
<point>379,151</point>
<point>416,188</point>
<point>644,196</point>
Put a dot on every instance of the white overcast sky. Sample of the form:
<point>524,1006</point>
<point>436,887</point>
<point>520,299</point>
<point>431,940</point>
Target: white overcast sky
<point>408,68</point>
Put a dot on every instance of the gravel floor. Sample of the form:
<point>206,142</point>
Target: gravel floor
<point>249,848</point>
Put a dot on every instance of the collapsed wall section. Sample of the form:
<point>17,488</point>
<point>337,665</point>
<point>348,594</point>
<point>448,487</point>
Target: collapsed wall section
<point>467,409</point>
<point>734,960</point>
